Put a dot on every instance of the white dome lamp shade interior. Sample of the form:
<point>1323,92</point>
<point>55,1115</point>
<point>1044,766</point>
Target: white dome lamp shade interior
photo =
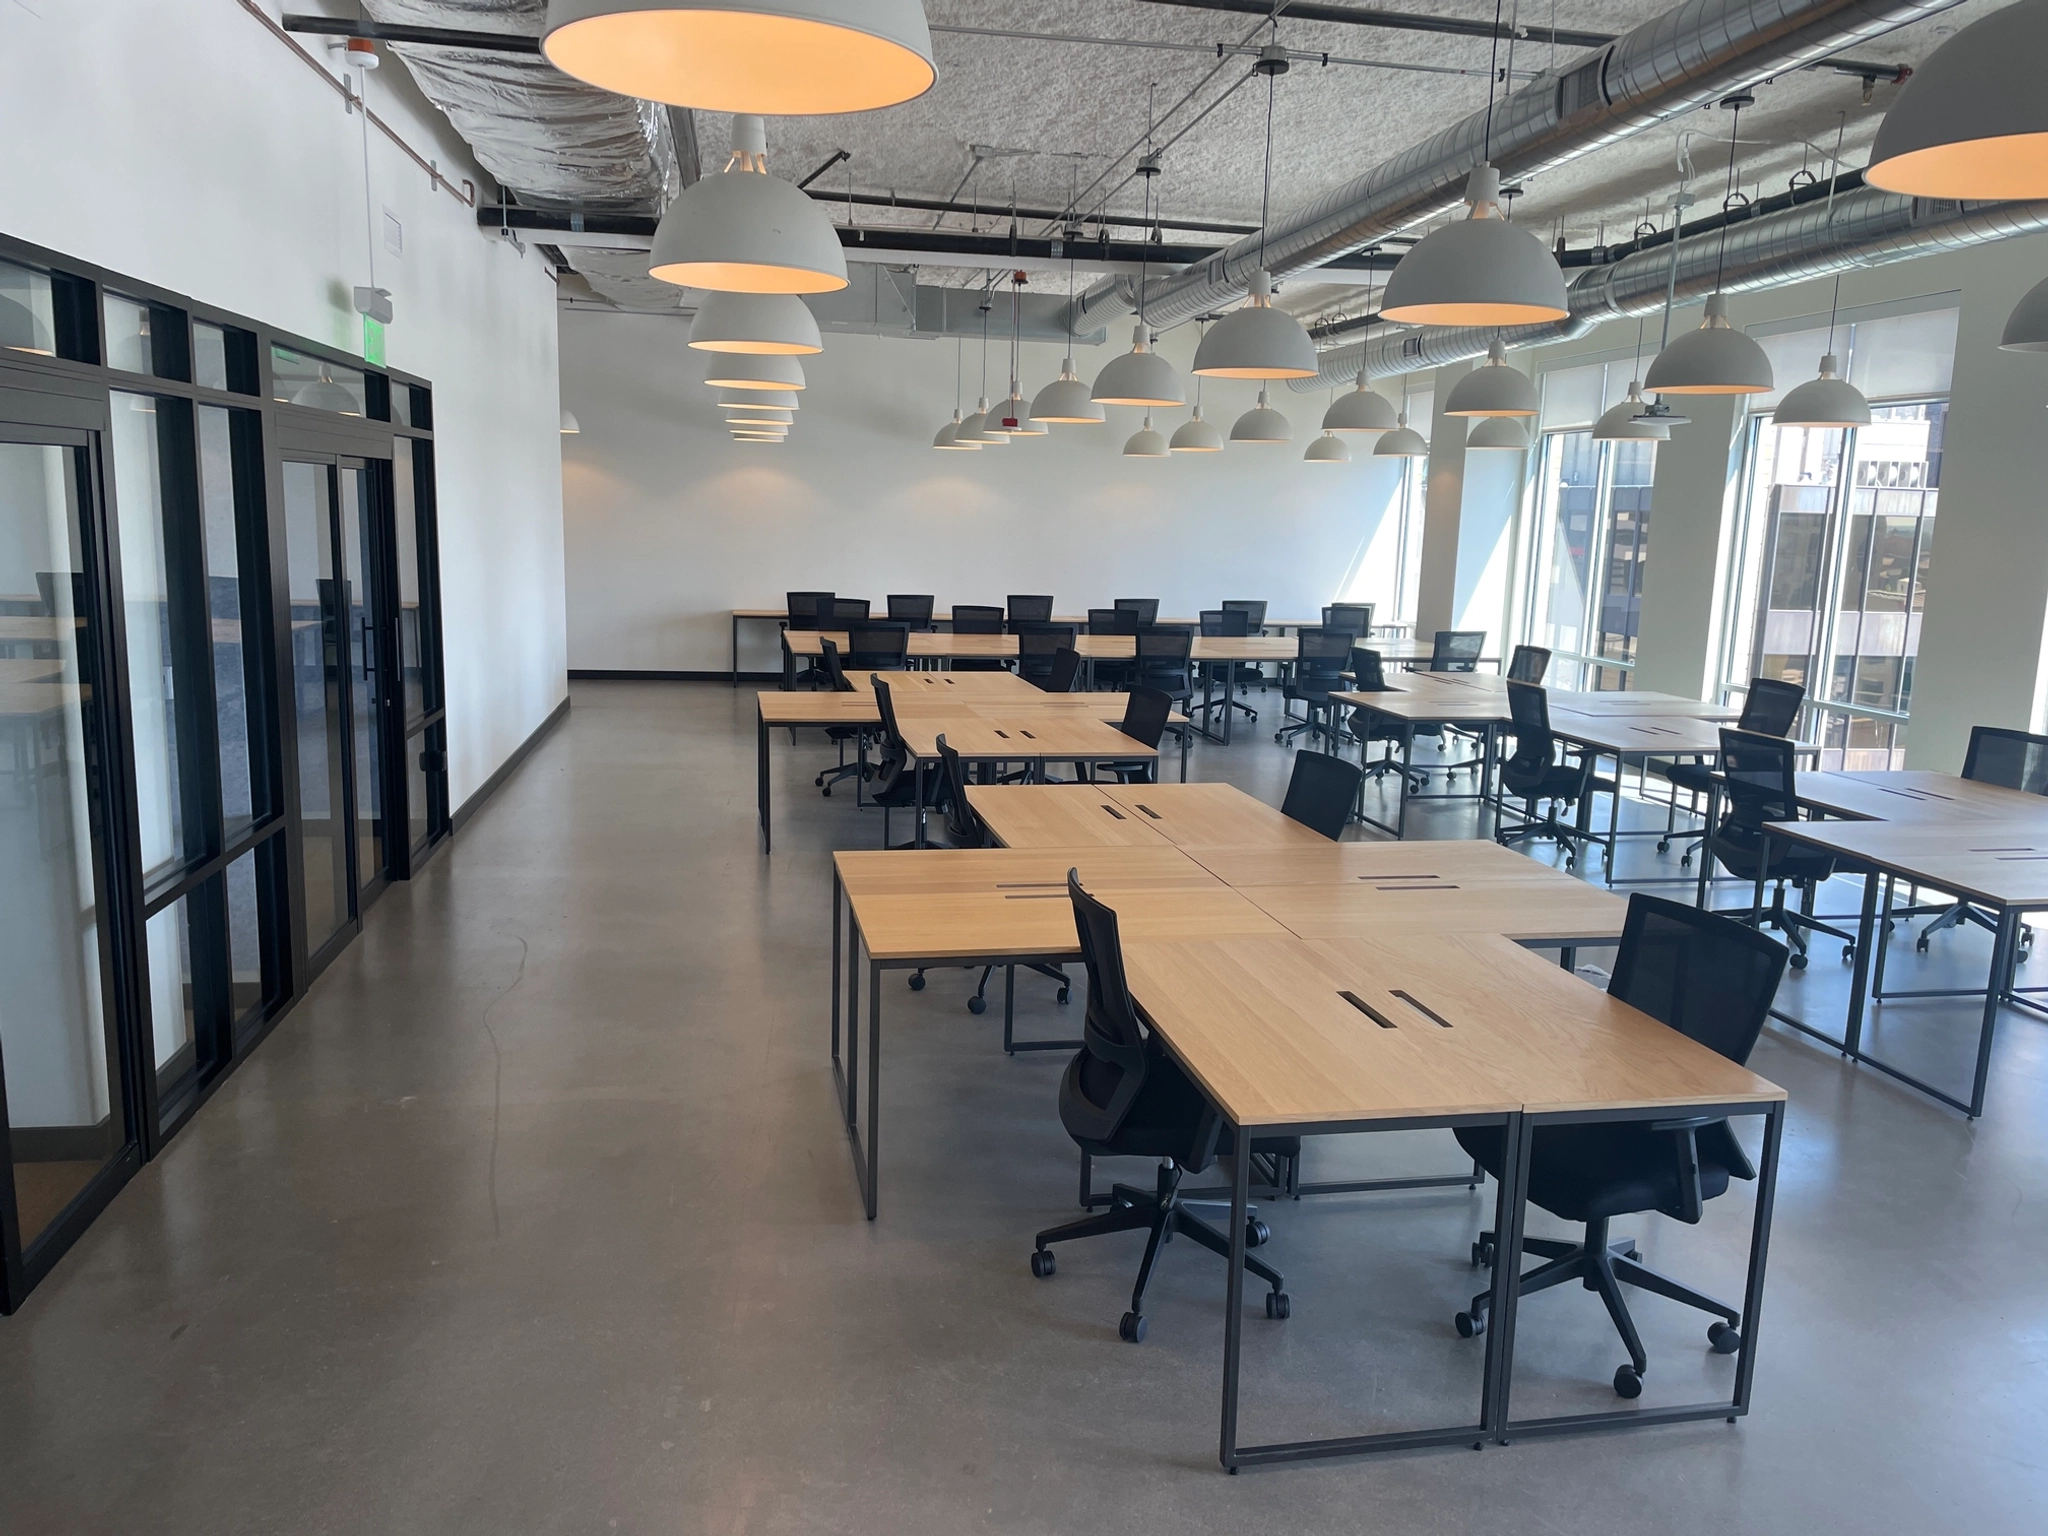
<point>1145,443</point>
<point>1262,424</point>
<point>1480,270</point>
<point>2026,328</point>
<point>1972,122</point>
<point>1197,436</point>
<point>1328,449</point>
<point>1404,442</point>
<point>1498,434</point>
<point>745,231</point>
<point>769,324</point>
<point>1716,359</point>
<point>1257,341</point>
<point>1626,421</point>
<point>1140,377</point>
<point>1360,410</point>
<point>975,429</point>
<point>783,58</point>
<point>1493,389</point>
<point>758,372</point>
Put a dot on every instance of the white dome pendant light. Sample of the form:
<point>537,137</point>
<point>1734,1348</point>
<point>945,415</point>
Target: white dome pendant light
<point>775,324</point>
<point>976,428</point>
<point>1066,398</point>
<point>770,399</point>
<point>757,372</point>
<point>783,58</point>
<point>1262,424</point>
<point>1014,418</point>
<point>1259,341</point>
<point>1498,433</point>
<point>1624,422</point>
<point>1141,376</point>
<point>2026,328</point>
<point>745,231</point>
<point>1196,435</point>
<point>948,436</point>
<point>1328,449</point>
<point>570,425</point>
<point>1404,442</point>
<point>1716,359</point>
<point>1145,443</point>
<point>1972,123</point>
<point>1825,401</point>
<point>1493,389</point>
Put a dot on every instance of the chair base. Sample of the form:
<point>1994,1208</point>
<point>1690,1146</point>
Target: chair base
<point>1604,1265</point>
<point>1165,1215</point>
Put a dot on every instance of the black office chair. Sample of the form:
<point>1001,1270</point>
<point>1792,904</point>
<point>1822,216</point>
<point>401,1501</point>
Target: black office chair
<point>807,611</point>
<point>1235,676</point>
<point>1066,670</point>
<point>1254,611</point>
<point>1113,672</point>
<point>1529,663</point>
<point>1356,617</point>
<point>895,776</point>
<point>977,619</point>
<point>841,734</point>
<point>1319,663</point>
<point>1457,650</point>
<point>2012,760</point>
<point>1123,1095</point>
<point>846,612</point>
<point>1321,792</point>
<point>873,646</point>
<point>1145,715</point>
<point>1029,610</point>
<point>1369,675</point>
<point>1163,662</point>
<point>914,609</point>
<point>1544,770</point>
<point>1038,648</point>
<point>1769,708</point>
<point>1146,608</point>
<point>1712,980</point>
<point>1759,784</point>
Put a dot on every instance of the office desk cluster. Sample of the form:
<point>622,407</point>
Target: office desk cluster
<point>1310,988</point>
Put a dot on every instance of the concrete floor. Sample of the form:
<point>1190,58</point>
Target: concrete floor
<point>534,1217</point>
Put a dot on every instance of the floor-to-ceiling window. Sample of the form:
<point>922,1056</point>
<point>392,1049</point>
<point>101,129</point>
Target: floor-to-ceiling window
<point>1588,522</point>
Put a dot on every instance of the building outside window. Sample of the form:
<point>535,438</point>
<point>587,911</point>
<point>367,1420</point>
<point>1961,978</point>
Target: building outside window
<point>1583,578</point>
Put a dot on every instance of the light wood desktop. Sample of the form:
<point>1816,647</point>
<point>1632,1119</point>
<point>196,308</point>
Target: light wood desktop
<point>1060,816</point>
<point>1193,816</point>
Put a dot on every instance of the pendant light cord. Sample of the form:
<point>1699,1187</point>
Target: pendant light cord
<point>1727,197</point>
<point>1492,76</point>
<point>1266,187</point>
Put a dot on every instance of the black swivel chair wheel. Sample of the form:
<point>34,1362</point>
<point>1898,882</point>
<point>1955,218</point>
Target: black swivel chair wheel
<point>1798,961</point>
<point>1848,954</point>
<point>917,981</point>
<point>1470,1324</point>
<point>1043,1264</point>
<point>1131,1328</point>
<point>1723,1338</point>
<point>1279,1306</point>
<point>1063,994</point>
<point>977,1005</point>
<point>1482,1253</point>
<point>1628,1381</point>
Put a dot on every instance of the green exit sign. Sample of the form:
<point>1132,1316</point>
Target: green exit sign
<point>373,341</point>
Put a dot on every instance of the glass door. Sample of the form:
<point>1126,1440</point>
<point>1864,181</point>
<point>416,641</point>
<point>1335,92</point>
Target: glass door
<point>319,699</point>
<point>364,602</point>
<point>65,1115</point>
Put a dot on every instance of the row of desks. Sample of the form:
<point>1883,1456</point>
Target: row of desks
<point>1311,988</point>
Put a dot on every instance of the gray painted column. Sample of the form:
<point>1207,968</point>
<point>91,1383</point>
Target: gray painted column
<point>1436,593</point>
<point>1684,580</point>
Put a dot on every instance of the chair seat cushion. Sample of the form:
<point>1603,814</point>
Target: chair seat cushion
<point>1697,777</point>
<point>1585,1172</point>
<point>1169,1117</point>
<point>1557,781</point>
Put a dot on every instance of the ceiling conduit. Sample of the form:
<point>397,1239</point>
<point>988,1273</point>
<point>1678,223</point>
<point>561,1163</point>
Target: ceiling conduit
<point>1685,59</point>
<point>1864,228</point>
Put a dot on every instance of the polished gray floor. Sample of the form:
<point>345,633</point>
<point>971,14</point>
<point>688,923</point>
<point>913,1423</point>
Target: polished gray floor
<point>534,1217</point>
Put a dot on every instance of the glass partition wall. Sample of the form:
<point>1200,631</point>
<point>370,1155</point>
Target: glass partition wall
<point>220,724</point>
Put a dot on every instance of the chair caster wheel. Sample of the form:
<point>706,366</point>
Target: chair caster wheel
<point>1279,1306</point>
<point>977,1005</point>
<point>1257,1234</point>
<point>1685,861</point>
<point>1627,1383</point>
<point>1724,1338</point>
<point>1043,1264</point>
<point>1798,961</point>
<point>1482,1255</point>
<point>917,982</point>
<point>1664,845</point>
<point>1920,944</point>
<point>828,794</point>
<point>1062,995</point>
<point>1470,1324</point>
<point>1848,954</point>
<point>1131,1328</point>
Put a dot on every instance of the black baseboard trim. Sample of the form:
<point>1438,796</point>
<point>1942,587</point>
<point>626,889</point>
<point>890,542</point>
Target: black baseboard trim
<point>635,675</point>
<point>490,786</point>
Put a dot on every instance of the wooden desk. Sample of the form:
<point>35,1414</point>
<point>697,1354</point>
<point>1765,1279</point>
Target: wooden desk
<point>1060,816</point>
<point>1468,861</point>
<point>1536,913</point>
<point>1291,1037</point>
<point>1915,795</point>
<point>1415,699</point>
<point>1195,816</point>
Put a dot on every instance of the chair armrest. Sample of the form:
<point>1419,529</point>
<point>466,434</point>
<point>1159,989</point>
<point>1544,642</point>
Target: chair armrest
<point>1685,1143</point>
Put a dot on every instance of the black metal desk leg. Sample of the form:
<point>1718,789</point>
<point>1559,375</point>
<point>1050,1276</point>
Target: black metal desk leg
<point>837,889</point>
<point>1509,1205</point>
<point>917,811</point>
<point>735,650</point>
<point>1859,977</point>
<point>1759,1251</point>
<point>1233,1293</point>
<point>1706,842</point>
<point>761,776</point>
<point>1994,994</point>
<point>874,1084</point>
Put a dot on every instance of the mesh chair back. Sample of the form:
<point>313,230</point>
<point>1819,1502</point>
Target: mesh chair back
<point>1146,608</point>
<point>804,608</point>
<point>1529,663</point>
<point>1771,707</point>
<point>1030,610</point>
<point>2009,758</point>
<point>976,619</point>
<point>1226,623</point>
<point>828,653</point>
<point>1321,652</point>
<point>895,755</point>
<point>1112,621</point>
<point>1321,792</point>
<point>1535,746</point>
<point>1707,976</point>
<point>1145,712</point>
<point>1113,1059</point>
<point>1758,780</point>
<point>1254,611</point>
<point>1066,667</point>
<point>914,609</point>
<point>1457,650</point>
<point>877,646</point>
<point>849,610</point>
<point>1038,646</point>
<point>1368,671</point>
<point>1354,617</point>
<point>964,826</point>
<point>1163,659</point>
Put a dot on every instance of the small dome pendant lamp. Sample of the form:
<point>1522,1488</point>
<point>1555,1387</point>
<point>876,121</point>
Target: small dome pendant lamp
<point>745,231</point>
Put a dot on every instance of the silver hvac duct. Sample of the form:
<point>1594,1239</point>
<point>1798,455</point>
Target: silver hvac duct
<point>1866,228</point>
<point>1675,63</point>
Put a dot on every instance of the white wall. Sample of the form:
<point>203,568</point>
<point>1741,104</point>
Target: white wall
<point>671,525</point>
<point>186,146</point>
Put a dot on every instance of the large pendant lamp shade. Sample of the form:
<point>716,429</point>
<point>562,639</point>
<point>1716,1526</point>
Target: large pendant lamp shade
<point>1197,436</point>
<point>1257,341</point>
<point>949,436</point>
<point>1503,434</point>
<point>1480,270</point>
<point>766,323</point>
<point>1364,409</point>
<point>783,58</point>
<point>1626,422</point>
<point>1066,399</point>
<point>733,370</point>
<point>1493,389</point>
<point>1262,424</point>
<point>745,231</point>
<point>1716,359</point>
<point>1972,123</point>
<point>1145,443</point>
<point>2026,328</point>
<point>1013,417</point>
<point>1328,449</point>
<point>1825,401</point>
<point>1140,377</point>
<point>1404,442</point>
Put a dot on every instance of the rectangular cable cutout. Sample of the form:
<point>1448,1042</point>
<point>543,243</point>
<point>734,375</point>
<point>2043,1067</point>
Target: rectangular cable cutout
<point>2011,848</point>
<point>1397,877</point>
<point>1119,815</point>
<point>1416,887</point>
<point>1036,896</point>
<point>1149,811</point>
<point>1422,1008</point>
<point>1031,885</point>
<point>1026,735</point>
<point>1367,1009</point>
